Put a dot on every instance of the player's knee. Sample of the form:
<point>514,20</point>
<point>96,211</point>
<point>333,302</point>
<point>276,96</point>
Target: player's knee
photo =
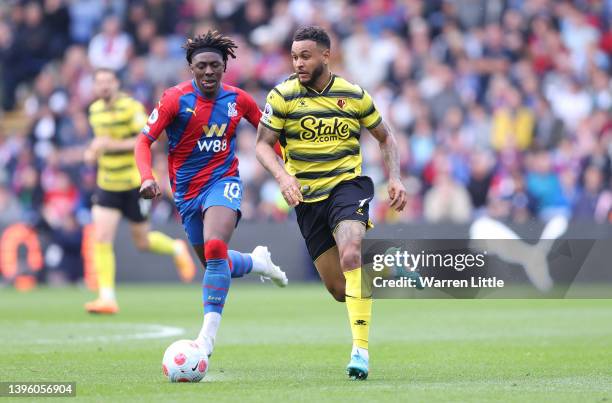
<point>142,243</point>
<point>350,258</point>
<point>215,249</point>
<point>103,236</point>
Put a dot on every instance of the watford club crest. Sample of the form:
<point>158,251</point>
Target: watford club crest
<point>341,103</point>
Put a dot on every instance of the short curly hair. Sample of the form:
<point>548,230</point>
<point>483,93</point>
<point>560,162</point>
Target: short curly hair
<point>313,33</point>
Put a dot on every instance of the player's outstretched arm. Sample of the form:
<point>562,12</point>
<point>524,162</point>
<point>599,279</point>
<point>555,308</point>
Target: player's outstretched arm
<point>103,144</point>
<point>264,149</point>
<point>121,145</point>
<point>388,146</point>
<point>142,153</point>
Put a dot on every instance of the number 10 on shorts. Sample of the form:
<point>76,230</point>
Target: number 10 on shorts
<point>231,191</point>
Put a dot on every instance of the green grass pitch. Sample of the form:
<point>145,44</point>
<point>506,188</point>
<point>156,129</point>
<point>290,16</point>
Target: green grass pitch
<point>293,344</point>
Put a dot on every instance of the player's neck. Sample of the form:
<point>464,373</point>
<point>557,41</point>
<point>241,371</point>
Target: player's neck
<point>111,100</point>
<point>322,82</point>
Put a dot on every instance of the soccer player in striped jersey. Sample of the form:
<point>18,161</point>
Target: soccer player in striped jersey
<point>200,118</point>
<point>318,116</point>
<point>117,119</point>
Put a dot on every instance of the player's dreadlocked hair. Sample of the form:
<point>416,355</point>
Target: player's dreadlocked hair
<point>213,40</point>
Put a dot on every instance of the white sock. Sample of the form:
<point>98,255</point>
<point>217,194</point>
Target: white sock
<point>361,351</point>
<point>107,293</point>
<point>260,264</point>
<point>207,335</point>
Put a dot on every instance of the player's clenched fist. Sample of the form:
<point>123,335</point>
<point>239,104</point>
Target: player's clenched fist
<point>149,189</point>
<point>290,188</point>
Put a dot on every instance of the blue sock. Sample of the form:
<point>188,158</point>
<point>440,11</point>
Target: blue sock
<point>215,285</point>
<point>241,263</point>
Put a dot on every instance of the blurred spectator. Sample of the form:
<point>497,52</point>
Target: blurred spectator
<point>10,208</point>
<point>86,16</point>
<point>57,18</point>
<point>549,129</point>
<point>447,200</point>
<point>138,83</point>
<point>498,106</point>
<point>544,186</point>
<point>161,68</point>
<point>512,123</point>
<point>145,33</point>
<point>480,179</point>
<point>588,196</point>
<point>111,47</point>
<point>26,51</point>
<point>163,13</point>
<point>76,76</point>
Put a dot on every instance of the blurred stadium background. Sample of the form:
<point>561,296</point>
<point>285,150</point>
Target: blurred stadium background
<point>500,107</point>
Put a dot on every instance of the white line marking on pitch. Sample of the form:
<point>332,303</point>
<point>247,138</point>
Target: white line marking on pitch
<point>136,331</point>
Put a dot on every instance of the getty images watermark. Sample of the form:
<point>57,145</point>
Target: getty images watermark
<point>487,268</point>
<point>407,266</point>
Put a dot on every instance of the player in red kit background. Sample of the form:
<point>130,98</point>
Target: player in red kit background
<point>200,117</point>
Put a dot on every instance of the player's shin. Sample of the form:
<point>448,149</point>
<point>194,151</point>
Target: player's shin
<point>215,286</point>
<point>359,307</point>
<point>104,260</point>
<point>161,243</point>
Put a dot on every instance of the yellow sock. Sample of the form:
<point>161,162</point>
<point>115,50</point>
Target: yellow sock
<point>160,243</point>
<point>104,260</point>
<point>359,308</point>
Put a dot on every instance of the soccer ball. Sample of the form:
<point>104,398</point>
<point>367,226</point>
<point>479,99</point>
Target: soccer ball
<point>184,361</point>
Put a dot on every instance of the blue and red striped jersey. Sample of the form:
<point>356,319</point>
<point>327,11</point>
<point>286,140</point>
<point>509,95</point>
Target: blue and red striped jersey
<point>201,134</point>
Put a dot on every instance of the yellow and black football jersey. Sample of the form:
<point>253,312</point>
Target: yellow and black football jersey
<point>123,119</point>
<point>320,132</point>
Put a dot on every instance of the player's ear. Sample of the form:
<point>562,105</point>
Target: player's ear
<point>325,54</point>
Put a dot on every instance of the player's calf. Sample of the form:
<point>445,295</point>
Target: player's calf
<point>337,290</point>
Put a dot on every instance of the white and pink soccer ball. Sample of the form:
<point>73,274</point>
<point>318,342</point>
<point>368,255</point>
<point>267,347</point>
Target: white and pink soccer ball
<point>184,361</point>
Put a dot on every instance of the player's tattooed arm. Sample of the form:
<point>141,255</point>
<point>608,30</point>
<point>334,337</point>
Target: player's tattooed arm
<point>388,147</point>
<point>264,149</point>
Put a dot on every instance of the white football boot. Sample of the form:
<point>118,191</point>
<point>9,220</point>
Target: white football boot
<point>269,271</point>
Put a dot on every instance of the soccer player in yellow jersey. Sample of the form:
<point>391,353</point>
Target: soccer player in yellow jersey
<point>318,116</point>
<point>116,120</point>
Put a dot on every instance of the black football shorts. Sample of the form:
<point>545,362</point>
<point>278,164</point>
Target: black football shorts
<point>128,202</point>
<point>349,200</point>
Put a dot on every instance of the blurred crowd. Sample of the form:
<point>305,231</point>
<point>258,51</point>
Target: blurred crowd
<point>500,107</point>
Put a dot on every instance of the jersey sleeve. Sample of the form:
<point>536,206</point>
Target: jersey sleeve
<point>275,111</point>
<point>249,108</point>
<point>142,155</point>
<point>368,114</point>
<point>139,117</point>
<point>163,114</point>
